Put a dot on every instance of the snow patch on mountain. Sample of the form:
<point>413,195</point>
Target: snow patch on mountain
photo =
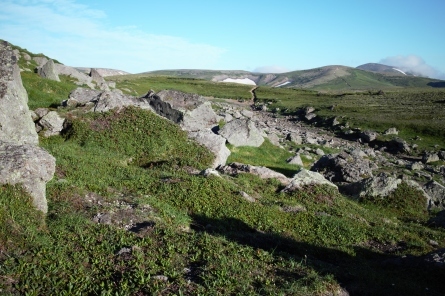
<point>399,71</point>
<point>240,81</point>
<point>283,84</point>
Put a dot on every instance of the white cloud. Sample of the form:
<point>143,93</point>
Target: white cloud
<point>76,35</point>
<point>413,64</point>
<point>271,69</point>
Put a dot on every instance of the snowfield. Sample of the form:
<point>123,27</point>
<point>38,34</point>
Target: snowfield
<point>240,81</point>
<point>282,84</point>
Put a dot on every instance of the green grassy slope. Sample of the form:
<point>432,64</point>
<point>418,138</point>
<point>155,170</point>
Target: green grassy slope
<point>140,84</point>
<point>199,232</point>
<point>338,78</point>
<point>192,235</point>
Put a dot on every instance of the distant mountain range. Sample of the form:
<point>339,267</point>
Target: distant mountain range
<point>367,76</point>
<point>383,69</point>
<point>105,72</point>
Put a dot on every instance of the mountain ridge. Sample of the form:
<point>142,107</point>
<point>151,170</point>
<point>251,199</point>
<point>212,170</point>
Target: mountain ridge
<point>332,77</point>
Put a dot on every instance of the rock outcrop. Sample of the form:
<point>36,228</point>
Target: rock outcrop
<point>16,124</point>
<point>194,115</point>
<point>109,100</point>
<point>343,167</point>
<point>379,186</point>
<point>102,101</point>
<point>21,160</point>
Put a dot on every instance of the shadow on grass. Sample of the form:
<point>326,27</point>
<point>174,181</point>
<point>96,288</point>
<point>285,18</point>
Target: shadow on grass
<point>287,172</point>
<point>366,273</point>
<point>437,84</point>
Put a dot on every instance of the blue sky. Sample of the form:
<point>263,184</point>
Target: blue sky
<point>267,36</point>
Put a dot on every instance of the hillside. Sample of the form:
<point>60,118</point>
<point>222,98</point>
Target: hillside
<point>382,69</point>
<point>327,193</point>
<point>332,78</point>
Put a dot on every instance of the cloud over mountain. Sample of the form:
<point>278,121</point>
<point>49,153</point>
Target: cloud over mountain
<point>413,64</point>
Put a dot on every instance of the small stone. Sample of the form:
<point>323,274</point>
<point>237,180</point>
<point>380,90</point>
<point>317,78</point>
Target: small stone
<point>416,166</point>
<point>210,172</point>
<point>430,157</point>
<point>319,152</point>
<point>391,131</point>
<point>247,197</point>
<point>161,278</point>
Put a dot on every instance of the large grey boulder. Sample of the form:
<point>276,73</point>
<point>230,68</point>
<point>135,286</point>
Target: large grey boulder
<point>16,124</point>
<point>202,117</point>
<point>81,96</point>
<point>30,166</point>
<point>52,124</point>
<point>99,80</point>
<point>343,167</point>
<point>191,111</point>
<point>260,171</point>
<point>242,132</point>
<point>215,143</point>
<point>48,71</point>
<point>305,178</point>
<point>436,193</point>
<point>21,161</point>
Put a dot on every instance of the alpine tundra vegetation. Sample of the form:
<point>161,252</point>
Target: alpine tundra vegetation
<point>339,192</point>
